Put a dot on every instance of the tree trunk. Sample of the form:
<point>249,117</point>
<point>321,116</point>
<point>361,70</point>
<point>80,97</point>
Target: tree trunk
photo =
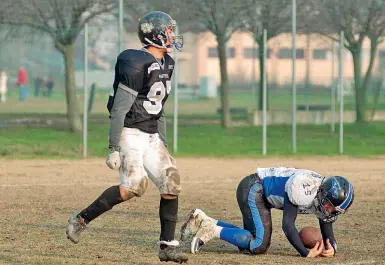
<point>224,82</point>
<point>73,113</point>
<point>368,74</point>
<point>360,92</point>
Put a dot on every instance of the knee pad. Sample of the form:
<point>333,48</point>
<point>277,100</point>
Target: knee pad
<point>138,189</point>
<point>172,185</point>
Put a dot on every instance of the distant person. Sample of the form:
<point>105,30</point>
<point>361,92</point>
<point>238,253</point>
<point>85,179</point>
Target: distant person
<point>44,86</point>
<point>38,84</point>
<point>3,86</point>
<point>49,84</point>
<point>22,83</point>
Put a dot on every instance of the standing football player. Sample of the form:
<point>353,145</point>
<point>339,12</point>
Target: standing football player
<point>137,137</point>
<point>295,191</point>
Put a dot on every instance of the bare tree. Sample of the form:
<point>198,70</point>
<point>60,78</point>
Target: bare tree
<point>61,20</point>
<point>135,9</point>
<point>222,18</point>
<point>275,17</point>
<point>359,20</point>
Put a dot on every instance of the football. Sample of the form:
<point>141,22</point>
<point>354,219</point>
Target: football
<point>310,236</point>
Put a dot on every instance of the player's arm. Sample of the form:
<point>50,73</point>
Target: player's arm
<point>288,226</point>
<point>122,105</point>
<point>162,128</point>
<point>131,80</point>
<point>328,238</point>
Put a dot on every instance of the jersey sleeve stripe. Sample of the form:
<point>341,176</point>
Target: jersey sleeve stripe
<point>126,88</point>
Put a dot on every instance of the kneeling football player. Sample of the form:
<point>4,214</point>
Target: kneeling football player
<point>295,191</point>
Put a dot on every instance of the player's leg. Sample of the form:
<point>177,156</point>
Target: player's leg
<point>133,183</point>
<point>224,224</point>
<point>256,218</point>
<point>161,169</point>
<point>195,219</point>
<point>256,214</point>
<point>203,228</point>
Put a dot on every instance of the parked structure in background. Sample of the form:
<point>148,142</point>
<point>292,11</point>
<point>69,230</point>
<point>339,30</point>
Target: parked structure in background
<point>200,58</point>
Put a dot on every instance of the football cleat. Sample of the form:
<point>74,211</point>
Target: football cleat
<point>76,225</point>
<point>201,227</point>
<point>171,252</point>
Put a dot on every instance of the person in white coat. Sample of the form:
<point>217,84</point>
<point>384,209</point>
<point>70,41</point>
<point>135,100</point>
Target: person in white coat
<point>3,86</point>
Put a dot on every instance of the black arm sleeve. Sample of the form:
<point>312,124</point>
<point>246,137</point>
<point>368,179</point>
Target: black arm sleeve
<point>327,233</point>
<point>288,226</point>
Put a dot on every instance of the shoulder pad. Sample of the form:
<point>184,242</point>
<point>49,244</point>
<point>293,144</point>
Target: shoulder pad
<point>136,58</point>
<point>302,188</point>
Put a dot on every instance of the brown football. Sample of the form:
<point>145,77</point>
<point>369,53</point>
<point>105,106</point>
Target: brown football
<point>310,236</point>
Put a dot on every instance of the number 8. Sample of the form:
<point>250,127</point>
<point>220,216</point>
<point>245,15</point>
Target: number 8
<point>155,97</point>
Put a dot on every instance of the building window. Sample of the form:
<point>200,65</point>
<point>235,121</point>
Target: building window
<point>319,54</point>
<point>381,53</point>
<point>300,53</point>
<point>230,52</point>
<point>213,52</point>
<point>248,53</point>
<point>286,53</point>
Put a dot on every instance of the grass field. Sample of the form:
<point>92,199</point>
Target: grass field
<point>43,180</point>
<point>37,197</point>
<point>197,106</point>
<point>199,132</point>
<point>200,140</point>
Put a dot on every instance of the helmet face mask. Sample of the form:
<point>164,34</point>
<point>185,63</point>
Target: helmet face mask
<point>338,193</point>
<point>157,29</point>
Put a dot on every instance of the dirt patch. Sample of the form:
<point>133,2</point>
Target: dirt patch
<point>37,197</point>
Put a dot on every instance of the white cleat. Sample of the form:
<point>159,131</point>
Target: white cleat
<point>76,225</point>
<point>201,227</point>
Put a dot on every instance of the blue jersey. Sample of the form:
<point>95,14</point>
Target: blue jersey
<point>301,186</point>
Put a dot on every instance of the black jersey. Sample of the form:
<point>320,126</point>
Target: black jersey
<point>138,72</point>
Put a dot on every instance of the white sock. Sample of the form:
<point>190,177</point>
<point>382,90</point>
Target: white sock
<point>217,232</point>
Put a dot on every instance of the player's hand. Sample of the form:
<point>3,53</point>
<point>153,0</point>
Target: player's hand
<point>113,160</point>
<point>316,251</point>
<point>329,250</point>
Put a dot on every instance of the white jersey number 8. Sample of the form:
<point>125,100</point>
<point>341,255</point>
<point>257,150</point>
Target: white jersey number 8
<point>155,96</point>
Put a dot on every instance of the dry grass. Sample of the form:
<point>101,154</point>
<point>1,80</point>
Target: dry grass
<point>37,196</point>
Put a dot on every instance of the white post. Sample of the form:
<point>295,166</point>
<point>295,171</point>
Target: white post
<point>253,85</point>
<point>176,83</point>
<point>333,93</point>
<point>294,91</point>
<point>120,27</point>
<point>341,85</point>
<point>264,135</point>
<point>85,81</point>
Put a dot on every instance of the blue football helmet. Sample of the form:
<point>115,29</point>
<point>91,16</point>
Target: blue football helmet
<point>337,191</point>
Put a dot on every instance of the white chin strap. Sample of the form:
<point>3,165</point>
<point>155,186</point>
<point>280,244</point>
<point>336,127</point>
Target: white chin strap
<point>156,45</point>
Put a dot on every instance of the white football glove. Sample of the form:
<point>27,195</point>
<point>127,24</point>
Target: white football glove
<point>113,160</point>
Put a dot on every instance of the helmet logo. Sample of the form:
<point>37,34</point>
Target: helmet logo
<point>334,189</point>
<point>146,27</point>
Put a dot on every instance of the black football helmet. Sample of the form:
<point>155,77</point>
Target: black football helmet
<point>152,30</point>
<point>338,191</point>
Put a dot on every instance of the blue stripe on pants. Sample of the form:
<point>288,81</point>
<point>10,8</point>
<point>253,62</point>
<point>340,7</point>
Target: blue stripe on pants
<point>259,229</point>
